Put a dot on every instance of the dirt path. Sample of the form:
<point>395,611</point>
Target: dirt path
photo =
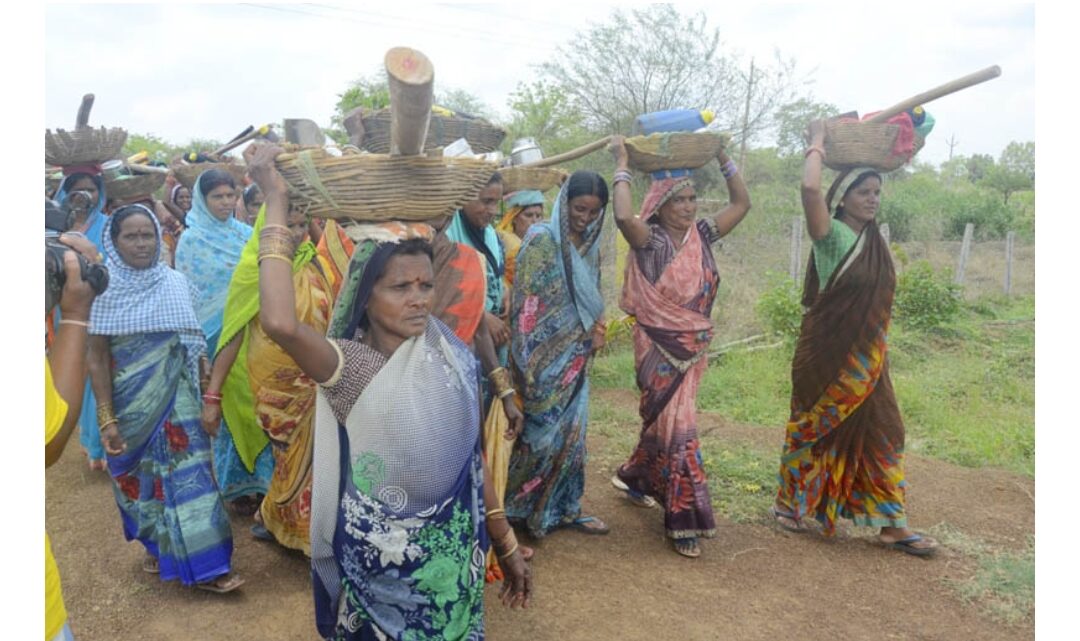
<point>753,581</point>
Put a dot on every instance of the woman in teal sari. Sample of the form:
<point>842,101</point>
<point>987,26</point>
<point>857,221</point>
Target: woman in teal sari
<point>557,321</point>
<point>208,254</point>
<point>144,354</point>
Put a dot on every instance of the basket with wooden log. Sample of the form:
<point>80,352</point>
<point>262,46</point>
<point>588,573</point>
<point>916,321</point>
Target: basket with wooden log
<point>85,145</point>
<point>482,136</point>
<point>401,185</point>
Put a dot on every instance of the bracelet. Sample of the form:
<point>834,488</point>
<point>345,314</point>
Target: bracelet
<point>72,321</point>
<point>105,412</point>
<point>510,553</point>
<point>729,169</point>
<point>510,391</point>
<point>495,512</point>
<point>275,226</point>
<point>106,424</point>
<point>810,150</point>
<point>278,256</point>
<point>276,244</point>
<point>621,176</point>
<point>211,399</point>
<point>500,379</point>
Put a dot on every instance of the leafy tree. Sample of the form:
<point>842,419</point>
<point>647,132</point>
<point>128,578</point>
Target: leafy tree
<point>544,112</point>
<point>655,58</point>
<point>978,167</point>
<point>462,101</point>
<point>1015,170</point>
<point>155,147</point>
<point>791,120</point>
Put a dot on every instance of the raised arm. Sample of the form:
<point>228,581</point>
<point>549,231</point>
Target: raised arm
<point>277,298</point>
<point>633,229</point>
<point>813,200</point>
<point>738,195</point>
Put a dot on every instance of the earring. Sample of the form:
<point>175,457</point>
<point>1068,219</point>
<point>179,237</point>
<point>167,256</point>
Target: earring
<point>841,203</point>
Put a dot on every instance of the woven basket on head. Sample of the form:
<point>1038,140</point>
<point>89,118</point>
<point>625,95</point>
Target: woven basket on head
<point>538,178</point>
<point>850,144</point>
<point>482,136</point>
<point>674,150</point>
<point>377,187</point>
<point>128,188</point>
<point>188,174</point>
<point>83,146</point>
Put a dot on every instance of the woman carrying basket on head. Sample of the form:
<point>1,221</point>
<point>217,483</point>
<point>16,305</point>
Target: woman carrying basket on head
<point>669,288</point>
<point>844,452</point>
<point>398,522</point>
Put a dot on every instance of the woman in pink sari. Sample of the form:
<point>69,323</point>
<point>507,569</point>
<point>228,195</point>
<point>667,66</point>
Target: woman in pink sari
<point>669,289</point>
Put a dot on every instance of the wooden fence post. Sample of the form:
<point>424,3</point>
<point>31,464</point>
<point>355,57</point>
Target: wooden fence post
<point>796,248</point>
<point>965,250</point>
<point>1010,238</point>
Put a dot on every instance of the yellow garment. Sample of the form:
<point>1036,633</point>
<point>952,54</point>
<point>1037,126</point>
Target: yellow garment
<point>497,451</point>
<point>511,246</point>
<point>55,614</point>
<point>285,409</point>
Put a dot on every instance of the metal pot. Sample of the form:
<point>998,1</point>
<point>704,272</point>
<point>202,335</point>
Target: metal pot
<point>524,151</point>
<point>113,169</point>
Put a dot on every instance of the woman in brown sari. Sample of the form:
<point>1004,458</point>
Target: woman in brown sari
<point>844,451</point>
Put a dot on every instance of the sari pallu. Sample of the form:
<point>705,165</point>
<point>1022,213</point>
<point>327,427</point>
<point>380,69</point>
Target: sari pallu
<point>843,453</point>
<point>556,302</point>
<point>164,483</point>
<point>398,537</point>
<point>670,292</point>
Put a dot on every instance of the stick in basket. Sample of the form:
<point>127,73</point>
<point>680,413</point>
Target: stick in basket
<point>411,77</point>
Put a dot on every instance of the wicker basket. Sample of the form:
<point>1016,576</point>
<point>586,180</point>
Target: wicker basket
<point>188,174</point>
<point>481,135</point>
<point>850,144</point>
<point>377,187</point>
<point>538,178</point>
<point>83,146</point>
<point>130,188</point>
<point>674,150</point>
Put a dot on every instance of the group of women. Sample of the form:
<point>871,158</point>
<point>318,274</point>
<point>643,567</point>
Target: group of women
<point>395,397</point>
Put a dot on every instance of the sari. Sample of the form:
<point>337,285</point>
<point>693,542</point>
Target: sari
<point>517,202</point>
<point>267,399</point>
<point>397,531</point>
<point>163,482</point>
<point>485,241</point>
<point>844,447</point>
<point>207,254</point>
<point>670,292</point>
<point>93,228</point>
<point>555,304</point>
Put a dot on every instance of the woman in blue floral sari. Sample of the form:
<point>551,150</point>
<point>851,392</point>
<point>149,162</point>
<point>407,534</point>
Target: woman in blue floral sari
<point>398,520</point>
<point>144,355</point>
<point>557,320</point>
<point>208,254</point>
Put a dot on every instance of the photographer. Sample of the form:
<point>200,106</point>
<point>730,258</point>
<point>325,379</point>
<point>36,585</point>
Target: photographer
<point>64,395</point>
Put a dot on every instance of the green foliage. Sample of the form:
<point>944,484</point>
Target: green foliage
<point>1015,170</point>
<point>742,481</point>
<point>156,148</point>
<point>926,299</point>
<point>461,101</point>
<point>543,111</point>
<point>791,122</point>
<point>779,306</point>
<point>992,218</point>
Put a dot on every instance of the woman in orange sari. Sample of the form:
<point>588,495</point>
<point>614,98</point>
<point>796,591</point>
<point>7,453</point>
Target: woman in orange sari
<point>670,285</point>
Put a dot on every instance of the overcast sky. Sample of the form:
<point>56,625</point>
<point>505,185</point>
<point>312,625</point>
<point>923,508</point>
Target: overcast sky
<point>182,70</point>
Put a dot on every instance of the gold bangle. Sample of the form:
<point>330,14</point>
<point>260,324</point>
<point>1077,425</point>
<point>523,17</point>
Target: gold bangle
<point>495,512</point>
<point>510,553</point>
<point>105,412</point>
<point>111,421</point>
<point>500,379</point>
<point>510,391</point>
<point>283,257</point>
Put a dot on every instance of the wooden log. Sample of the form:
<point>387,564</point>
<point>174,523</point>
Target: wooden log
<point>354,126</point>
<point>969,80</point>
<point>411,79</point>
<point>82,119</point>
<point>573,154</point>
<point>965,251</point>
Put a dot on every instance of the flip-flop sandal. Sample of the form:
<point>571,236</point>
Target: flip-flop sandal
<point>150,565</point>
<point>260,532</point>
<point>802,528</point>
<point>230,584</point>
<point>579,525</point>
<point>685,547</point>
<point>640,500</point>
<point>906,545</point>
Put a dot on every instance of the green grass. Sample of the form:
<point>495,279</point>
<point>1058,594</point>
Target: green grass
<point>966,391</point>
<point>742,480</point>
<point>1003,584</point>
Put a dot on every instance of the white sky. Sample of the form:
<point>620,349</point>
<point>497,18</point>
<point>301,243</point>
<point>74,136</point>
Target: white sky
<point>182,70</point>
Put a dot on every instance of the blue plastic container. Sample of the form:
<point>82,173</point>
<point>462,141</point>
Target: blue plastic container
<point>672,120</point>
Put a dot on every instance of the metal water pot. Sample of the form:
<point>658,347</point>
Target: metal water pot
<point>524,151</point>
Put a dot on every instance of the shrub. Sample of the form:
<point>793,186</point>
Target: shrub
<point>925,299</point>
<point>779,307</point>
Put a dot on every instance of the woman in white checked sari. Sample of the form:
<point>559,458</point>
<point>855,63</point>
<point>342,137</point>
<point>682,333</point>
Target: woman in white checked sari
<point>399,529</point>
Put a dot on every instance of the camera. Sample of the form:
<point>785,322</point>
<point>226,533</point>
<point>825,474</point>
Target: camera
<point>59,217</point>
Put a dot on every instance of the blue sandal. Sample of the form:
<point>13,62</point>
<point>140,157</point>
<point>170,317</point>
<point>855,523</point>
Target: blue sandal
<point>579,524</point>
<point>907,546</point>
